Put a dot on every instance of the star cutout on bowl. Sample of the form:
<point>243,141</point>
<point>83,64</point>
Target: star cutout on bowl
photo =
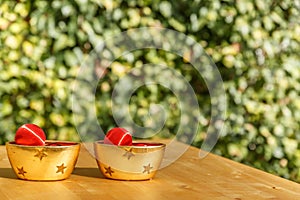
<point>41,154</point>
<point>147,168</point>
<point>108,171</point>
<point>61,168</point>
<point>21,171</point>
<point>128,153</point>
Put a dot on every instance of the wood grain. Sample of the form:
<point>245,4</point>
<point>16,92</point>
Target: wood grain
<point>189,177</point>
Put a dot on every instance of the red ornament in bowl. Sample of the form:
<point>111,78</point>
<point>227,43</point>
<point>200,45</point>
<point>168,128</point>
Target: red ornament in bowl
<point>30,134</point>
<point>32,157</point>
<point>118,136</point>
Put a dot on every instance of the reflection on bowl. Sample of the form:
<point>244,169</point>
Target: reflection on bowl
<point>54,161</point>
<point>137,162</point>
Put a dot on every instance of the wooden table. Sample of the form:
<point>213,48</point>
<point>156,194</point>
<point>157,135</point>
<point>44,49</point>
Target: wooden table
<point>189,177</point>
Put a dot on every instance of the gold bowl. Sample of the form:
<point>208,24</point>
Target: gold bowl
<point>137,162</point>
<point>54,161</point>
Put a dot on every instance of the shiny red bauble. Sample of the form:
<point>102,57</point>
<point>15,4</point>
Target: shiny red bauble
<point>30,134</point>
<point>118,136</point>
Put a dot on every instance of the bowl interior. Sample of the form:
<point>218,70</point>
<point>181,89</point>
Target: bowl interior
<point>48,143</point>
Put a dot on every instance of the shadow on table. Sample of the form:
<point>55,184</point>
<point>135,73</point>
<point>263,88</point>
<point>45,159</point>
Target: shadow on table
<point>7,173</point>
<point>88,172</point>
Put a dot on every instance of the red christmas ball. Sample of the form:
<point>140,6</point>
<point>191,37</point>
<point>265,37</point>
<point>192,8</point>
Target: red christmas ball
<point>118,136</point>
<point>30,134</point>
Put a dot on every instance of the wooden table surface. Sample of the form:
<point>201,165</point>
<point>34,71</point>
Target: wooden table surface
<point>189,177</point>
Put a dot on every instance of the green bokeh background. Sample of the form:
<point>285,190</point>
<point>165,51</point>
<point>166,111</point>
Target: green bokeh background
<point>255,44</point>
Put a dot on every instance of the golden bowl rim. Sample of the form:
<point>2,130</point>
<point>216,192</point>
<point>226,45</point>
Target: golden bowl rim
<point>153,145</point>
<point>11,143</point>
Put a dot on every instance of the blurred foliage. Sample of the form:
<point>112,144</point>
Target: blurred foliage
<point>255,45</point>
